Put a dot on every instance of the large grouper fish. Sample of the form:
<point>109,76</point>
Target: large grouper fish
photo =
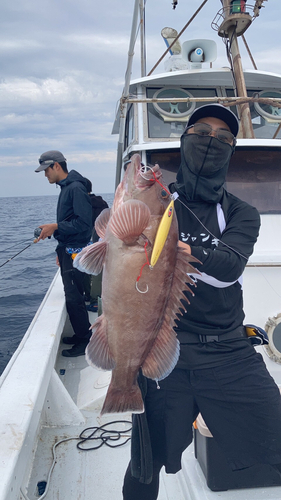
<point>139,304</point>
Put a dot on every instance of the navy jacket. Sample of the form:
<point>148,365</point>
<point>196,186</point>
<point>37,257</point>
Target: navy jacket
<point>74,212</point>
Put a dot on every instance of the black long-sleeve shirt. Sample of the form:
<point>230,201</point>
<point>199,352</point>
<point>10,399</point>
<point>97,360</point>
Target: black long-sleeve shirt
<point>217,306</point>
<point>223,249</point>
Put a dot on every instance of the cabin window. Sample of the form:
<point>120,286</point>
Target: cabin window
<point>167,120</point>
<point>168,160</point>
<point>129,128</point>
<point>264,126</point>
<point>254,175</point>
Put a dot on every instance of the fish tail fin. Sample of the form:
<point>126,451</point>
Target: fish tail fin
<point>121,401</point>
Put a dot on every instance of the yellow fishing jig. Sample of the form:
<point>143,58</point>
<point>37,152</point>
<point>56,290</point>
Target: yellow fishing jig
<point>162,233</point>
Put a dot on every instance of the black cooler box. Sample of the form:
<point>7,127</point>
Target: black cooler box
<point>219,475</point>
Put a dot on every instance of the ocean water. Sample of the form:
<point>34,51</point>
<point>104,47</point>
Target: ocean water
<point>25,278</point>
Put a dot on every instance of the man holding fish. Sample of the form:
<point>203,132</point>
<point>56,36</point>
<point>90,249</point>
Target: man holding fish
<point>218,372</point>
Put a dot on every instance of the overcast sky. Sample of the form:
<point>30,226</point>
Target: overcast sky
<point>62,72</point>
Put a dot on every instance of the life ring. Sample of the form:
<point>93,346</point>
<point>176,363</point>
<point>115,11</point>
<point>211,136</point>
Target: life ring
<point>270,112</point>
<point>273,329</point>
<point>174,113</point>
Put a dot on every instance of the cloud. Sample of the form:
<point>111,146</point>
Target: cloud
<point>63,65</point>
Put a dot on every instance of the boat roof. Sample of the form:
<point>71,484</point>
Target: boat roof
<point>241,143</point>
<point>208,77</point>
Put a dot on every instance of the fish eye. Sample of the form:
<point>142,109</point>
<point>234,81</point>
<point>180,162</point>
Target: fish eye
<point>164,193</point>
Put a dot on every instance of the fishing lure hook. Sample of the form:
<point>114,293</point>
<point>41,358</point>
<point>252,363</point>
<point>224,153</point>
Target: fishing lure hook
<point>141,291</point>
<point>145,264</point>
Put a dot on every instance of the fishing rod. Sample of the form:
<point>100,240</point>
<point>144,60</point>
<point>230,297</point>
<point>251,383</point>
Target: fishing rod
<point>37,233</point>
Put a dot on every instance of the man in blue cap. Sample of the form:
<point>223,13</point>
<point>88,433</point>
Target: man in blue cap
<point>73,231</point>
<point>219,373</point>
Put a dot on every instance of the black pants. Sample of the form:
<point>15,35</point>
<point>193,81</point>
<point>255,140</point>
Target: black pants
<point>133,489</point>
<point>87,279</point>
<point>73,290</point>
<point>240,404</point>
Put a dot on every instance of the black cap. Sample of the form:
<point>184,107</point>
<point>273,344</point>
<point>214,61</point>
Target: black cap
<point>216,111</point>
<point>49,158</point>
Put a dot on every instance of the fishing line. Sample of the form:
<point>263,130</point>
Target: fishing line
<point>206,229</point>
<point>11,258</point>
<point>228,246</point>
<point>144,170</point>
<point>268,282</point>
<point>37,233</point>
<point>15,245</point>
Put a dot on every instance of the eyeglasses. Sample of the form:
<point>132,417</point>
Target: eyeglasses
<point>204,129</point>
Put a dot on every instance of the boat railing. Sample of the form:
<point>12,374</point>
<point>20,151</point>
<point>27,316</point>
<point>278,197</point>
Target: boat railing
<point>226,101</point>
<point>27,379</point>
<point>227,13</point>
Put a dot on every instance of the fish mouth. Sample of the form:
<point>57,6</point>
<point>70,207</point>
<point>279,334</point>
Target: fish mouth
<point>146,175</point>
<point>139,177</point>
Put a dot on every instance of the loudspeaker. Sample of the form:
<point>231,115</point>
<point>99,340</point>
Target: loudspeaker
<point>198,51</point>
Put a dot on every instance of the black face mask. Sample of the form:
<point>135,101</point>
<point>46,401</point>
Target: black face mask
<point>203,169</point>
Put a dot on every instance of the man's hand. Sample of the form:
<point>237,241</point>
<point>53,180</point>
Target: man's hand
<point>185,247</point>
<point>47,231</point>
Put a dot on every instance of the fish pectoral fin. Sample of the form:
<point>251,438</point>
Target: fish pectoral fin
<point>90,259</point>
<point>101,222</point>
<point>129,221</point>
<point>97,351</point>
<point>164,354</point>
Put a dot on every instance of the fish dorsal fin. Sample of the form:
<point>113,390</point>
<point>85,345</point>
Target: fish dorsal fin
<point>101,222</point>
<point>179,284</point>
<point>164,353</point>
<point>90,259</point>
<point>97,351</point>
<point>129,221</point>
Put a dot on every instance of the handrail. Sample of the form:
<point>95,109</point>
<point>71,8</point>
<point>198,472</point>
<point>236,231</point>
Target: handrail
<point>227,101</point>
